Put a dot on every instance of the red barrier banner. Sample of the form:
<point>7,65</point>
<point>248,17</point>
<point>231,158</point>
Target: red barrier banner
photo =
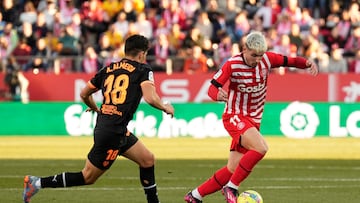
<point>180,87</point>
<point>345,88</point>
<point>301,87</point>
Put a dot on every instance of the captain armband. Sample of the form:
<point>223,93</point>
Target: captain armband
<point>285,61</point>
<point>215,83</point>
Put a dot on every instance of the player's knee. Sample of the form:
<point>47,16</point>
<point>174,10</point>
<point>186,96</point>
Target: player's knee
<point>89,180</point>
<point>89,177</point>
<point>263,150</point>
<point>148,160</point>
<point>231,168</point>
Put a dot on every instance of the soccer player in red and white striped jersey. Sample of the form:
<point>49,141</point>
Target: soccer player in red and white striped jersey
<point>246,74</point>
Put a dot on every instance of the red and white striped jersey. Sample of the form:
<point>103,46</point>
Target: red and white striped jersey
<point>247,85</point>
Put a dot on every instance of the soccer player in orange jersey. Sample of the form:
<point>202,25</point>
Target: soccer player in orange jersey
<point>123,84</point>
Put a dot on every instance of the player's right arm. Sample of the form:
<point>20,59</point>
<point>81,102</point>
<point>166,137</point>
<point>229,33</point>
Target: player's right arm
<point>86,96</point>
<point>216,91</point>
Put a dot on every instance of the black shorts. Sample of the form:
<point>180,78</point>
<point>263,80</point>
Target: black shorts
<point>108,145</point>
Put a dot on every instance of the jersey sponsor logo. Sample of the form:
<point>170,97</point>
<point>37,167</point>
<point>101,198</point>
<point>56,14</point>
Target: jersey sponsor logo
<point>250,89</point>
<point>110,110</point>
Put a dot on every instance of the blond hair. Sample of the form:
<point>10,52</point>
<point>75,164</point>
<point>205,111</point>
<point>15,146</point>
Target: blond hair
<point>256,41</point>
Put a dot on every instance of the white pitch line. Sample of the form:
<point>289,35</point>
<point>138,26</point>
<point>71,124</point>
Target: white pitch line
<point>300,179</point>
<point>84,188</point>
<point>312,179</point>
<point>270,187</point>
<point>332,168</point>
<point>307,186</point>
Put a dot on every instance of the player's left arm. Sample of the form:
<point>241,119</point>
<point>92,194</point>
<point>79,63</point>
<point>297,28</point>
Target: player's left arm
<point>151,97</point>
<point>312,67</point>
<point>278,60</point>
<point>86,96</point>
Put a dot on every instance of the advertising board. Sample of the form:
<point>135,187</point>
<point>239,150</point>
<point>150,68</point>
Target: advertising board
<point>183,88</point>
<point>198,120</point>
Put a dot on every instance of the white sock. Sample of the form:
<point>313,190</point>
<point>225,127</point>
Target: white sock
<point>196,194</point>
<point>232,185</point>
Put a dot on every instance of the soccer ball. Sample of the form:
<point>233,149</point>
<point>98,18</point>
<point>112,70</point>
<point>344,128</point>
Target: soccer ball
<point>250,196</point>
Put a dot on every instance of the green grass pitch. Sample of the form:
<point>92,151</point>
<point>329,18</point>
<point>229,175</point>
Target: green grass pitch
<point>294,171</point>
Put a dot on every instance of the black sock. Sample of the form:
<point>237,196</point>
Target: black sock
<point>65,179</point>
<point>147,178</point>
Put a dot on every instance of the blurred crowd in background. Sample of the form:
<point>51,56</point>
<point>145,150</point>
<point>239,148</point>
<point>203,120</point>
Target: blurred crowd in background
<point>190,36</point>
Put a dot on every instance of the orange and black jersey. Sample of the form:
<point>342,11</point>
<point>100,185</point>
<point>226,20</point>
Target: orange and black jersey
<point>120,85</point>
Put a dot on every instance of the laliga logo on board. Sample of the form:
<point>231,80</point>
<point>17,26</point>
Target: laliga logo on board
<point>352,92</point>
<point>299,120</point>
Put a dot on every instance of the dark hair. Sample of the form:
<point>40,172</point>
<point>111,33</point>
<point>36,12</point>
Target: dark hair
<point>135,44</point>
